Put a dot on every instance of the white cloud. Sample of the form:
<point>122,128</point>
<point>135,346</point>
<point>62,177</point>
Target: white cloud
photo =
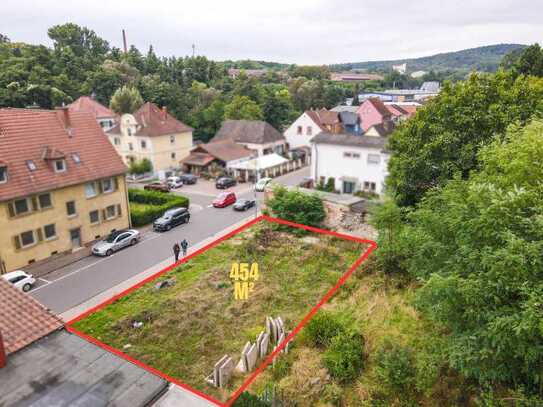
<point>301,31</point>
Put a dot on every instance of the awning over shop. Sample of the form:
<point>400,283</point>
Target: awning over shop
<point>260,163</point>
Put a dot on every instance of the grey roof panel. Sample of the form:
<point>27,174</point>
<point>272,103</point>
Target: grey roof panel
<point>350,140</point>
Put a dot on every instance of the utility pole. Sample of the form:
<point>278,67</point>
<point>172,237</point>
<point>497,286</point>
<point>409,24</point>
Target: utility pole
<point>193,50</point>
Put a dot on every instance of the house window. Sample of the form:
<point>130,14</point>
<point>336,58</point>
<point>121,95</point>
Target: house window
<point>309,130</point>
<point>21,206</point>
<point>348,187</point>
<point>3,174</point>
<point>173,156</point>
<point>76,158</point>
<point>130,147</point>
<point>45,201</point>
<point>60,165</point>
<point>70,208</point>
<point>370,186</point>
<point>90,190</point>
<point>129,131</point>
<point>107,185</point>
<point>49,231</point>
<point>350,154</point>
<point>111,212</point>
<point>374,158</point>
<point>116,141</point>
<point>356,155</point>
<point>94,216</point>
<point>299,130</point>
<point>27,238</point>
<point>172,139</point>
<point>31,165</point>
<point>143,144</point>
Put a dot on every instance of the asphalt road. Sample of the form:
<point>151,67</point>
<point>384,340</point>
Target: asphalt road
<point>69,286</point>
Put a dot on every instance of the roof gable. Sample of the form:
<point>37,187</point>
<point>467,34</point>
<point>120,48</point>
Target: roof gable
<point>248,131</point>
<point>158,122</point>
<point>88,104</point>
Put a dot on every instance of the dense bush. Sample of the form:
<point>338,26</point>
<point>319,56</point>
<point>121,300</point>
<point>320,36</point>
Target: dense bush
<point>345,356</point>
<point>323,327</point>
<point>296,206</point>
<point>141,167</point>
<point>151,205</point>
<point>395,366</point>
<point>250,400</point>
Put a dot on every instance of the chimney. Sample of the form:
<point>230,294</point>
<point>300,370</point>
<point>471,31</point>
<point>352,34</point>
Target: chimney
<point>124,42</point>
<point>164,113</point>
<point>3,359</point>
<point>64,115</point>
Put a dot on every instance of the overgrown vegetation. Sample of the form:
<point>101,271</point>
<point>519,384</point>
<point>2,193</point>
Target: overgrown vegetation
<point>140,167</point>
<point>146,206</point>
<point>296,206</point>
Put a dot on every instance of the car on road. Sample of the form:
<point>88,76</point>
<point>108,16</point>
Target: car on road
<point>261,184</point>
<point>225,199</point>
<point>171,218</point>
<point>174,182</point>
<point>188,179</point>
<point>157,186</point>
<point>244,204</point>
<point>116,241</point>
<point>20,280</point>
<point>225,182</point>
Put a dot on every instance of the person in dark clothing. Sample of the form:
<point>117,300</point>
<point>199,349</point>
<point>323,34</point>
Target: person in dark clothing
<point>176,250</point>
<point>184,246</point>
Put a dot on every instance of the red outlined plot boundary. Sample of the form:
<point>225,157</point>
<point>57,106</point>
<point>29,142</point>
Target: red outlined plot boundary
<point>270,357</point>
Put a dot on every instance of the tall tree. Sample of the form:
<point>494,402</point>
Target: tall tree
<point>242,108</point>
<point>126,100</point>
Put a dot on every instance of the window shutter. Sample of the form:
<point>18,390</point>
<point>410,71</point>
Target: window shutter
<point>16,242</point>
<point>39,232</point>
<point>116,183</point>
<point>35,206</point>
<point>119,212</point>
<point>104,214</point>
<point>100,190</point>
<point>11,209</point>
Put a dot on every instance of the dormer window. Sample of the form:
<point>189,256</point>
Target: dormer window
<point>76,158</point>
<point>3,174</point>
<point>60,165</point>
<point>31,165</point>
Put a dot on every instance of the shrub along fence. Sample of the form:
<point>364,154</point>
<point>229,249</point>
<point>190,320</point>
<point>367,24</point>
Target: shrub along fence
<point>146,206</point>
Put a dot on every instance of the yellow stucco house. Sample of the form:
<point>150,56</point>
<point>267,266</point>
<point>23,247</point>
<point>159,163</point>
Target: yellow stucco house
<point>154,134</point>
<point>62,185</point>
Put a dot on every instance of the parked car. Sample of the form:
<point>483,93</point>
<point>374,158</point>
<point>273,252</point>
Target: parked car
<point>171,218</point>
<point>224,199</point>
<point>306,182</point>
<point>116,241</point>
<point>157,186</point>
<point>188,179</point>
<point>244,204</point>
<point>20,280</point>
<point>174,182</point>
<point>225,182</point>
<point>261,184</point>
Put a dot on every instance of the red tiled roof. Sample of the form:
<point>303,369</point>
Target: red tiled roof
<point>323,117</point>
<point>158,122</point>
<point>379,106</point>
<point>88,104</point>
<point>29,134</point>
<point>198,159</point>
<point>402,110</point>
<point>23,320</point>
<point>224,150</point>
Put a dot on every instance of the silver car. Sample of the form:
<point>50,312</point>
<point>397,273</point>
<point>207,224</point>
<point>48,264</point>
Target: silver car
<point>116,241</point>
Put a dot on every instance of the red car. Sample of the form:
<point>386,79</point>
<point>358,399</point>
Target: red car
<point>224,199</point>
<point>157,186</point>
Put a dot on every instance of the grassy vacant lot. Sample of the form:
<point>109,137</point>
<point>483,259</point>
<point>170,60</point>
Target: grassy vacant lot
<point>188,327</point>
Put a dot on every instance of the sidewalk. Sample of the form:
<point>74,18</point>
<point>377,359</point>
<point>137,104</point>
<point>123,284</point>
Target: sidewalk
<point>111,292</point>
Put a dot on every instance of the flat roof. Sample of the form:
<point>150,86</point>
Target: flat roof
<point>65,370</point>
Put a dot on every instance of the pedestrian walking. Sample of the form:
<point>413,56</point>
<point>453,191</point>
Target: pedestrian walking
<point>184,246</point>
<point>176,250</point>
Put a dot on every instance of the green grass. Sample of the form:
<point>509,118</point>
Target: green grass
<point>190,326</point>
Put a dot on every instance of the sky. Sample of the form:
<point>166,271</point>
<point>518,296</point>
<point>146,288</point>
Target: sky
<point>290,31</point>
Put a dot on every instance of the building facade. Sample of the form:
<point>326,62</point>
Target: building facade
<point>61,187</point>
<point>105,117</point>
<point>152,133</point>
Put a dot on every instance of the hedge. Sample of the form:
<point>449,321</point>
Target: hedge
<point>150,205</point>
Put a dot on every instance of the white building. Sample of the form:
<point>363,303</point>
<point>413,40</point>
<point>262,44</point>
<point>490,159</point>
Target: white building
<point>354,162</point>
<point>309,124</point>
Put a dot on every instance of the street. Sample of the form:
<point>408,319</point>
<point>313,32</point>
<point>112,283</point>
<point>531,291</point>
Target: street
<point>69,286</point>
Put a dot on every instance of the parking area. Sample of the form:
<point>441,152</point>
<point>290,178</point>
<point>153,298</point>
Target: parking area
<point>207,188</point>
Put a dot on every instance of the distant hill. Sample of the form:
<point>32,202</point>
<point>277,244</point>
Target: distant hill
<point>486,59</point>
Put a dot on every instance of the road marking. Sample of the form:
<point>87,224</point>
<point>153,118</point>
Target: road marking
<point>44,280</point>
<point>196,208</point>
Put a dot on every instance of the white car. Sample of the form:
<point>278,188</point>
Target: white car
<point>174,182</point>
<point>261,184</point>
<point>116,241</point>
<point>20,280</point>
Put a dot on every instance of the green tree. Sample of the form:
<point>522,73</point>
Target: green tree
<point>296,206</point>
<point>530,61</point>
<point>242,108</point>
<point>444,137</point>
<point>476,250</point>
<point>126,100</point>
<point>278,109</point>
